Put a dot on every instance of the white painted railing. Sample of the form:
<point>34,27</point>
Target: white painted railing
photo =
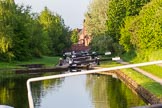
<point>30,99</point>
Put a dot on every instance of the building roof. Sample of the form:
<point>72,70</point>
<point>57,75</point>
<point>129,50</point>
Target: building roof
<point>79,47</point>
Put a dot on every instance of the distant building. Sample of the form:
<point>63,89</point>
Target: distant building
<point>83,41</point>
<point>83,37</point>
<point>79,47</point>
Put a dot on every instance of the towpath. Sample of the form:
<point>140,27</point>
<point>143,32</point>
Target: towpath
<point>155,78</point>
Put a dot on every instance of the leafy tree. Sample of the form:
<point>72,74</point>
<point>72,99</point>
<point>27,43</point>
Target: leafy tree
<point>55,30</point>
<point>109,20</point>
<point>7,10</point>
<point>102,43</point>
<point>117,12</point>
<point>95,18</point>
<point>125,39</point>
<point>144,31</point>
<point>24,35</point>
<point>38,41</point>
<point>74,36</point>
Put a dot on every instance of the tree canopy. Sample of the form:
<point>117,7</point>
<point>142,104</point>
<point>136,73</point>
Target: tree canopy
<point>117,13</point>
<point>74,36</point>
<point>96,17</point>
<point>144,31</point>
<point>24,35</point>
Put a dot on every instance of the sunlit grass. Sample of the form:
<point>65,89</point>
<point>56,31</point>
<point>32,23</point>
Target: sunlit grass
<point>107,64</point>
<point>46,60</point>
<point>144,81</point>
<point>153,69</point>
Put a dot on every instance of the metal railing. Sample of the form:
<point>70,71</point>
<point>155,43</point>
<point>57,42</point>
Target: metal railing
<point>30,98</point>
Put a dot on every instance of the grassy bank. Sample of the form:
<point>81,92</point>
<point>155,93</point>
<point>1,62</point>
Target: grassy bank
<point>145,56</point>
<point>144,81</point>
<point>47,61</point>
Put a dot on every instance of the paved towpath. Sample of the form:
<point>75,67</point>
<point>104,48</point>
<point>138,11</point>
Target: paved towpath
<point>155,78</point>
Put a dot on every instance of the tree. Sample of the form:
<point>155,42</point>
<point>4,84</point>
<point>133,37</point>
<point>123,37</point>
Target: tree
<point>95,18</point>
<point>74,36</point>
<point>117,12</point>
<point>7,10</point>
<point>55,30</point>
<point>38,40</point>
<point>24,35</point>
<point>106,18</point>
<point>97,44</point>
<point>144,31</point>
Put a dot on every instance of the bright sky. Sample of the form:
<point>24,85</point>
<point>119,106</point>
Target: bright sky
<point>72,11</point>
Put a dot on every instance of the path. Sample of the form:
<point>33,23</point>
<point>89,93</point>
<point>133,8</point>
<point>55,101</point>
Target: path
<point>155,78</point>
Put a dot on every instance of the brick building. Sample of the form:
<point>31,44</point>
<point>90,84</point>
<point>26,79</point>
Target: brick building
<point>83,37</point>
<point>83,41</point>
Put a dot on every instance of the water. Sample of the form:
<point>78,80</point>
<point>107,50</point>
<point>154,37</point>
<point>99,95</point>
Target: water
<point>13,92</point>
<point>85,91</point>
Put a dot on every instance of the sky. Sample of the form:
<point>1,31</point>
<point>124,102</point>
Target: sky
<point>72,11</point>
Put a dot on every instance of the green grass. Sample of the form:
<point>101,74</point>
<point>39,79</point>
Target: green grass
<point>143,56</point>
<point>144,81</point>
<point>107,64</point>
<point>156,70</point>
<point>47,61</point>
<point>153,69</point>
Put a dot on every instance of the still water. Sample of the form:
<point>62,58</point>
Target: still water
<point>85,91</point>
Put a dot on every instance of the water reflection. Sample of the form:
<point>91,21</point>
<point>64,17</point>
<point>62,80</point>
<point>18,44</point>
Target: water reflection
<point>108,92</point>
<point>13,91</point>
<point>86,91</point>
<point>41,90</point>
<point>69,94</point>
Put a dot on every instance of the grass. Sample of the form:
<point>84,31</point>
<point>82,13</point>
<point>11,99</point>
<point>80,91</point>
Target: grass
<point>47,61</point>
<point>146,55</point>
<point>153,69</point>
<point>144,81</point>
<point>107,64</point>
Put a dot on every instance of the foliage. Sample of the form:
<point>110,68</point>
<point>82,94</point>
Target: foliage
<point>74,36</point>
<point>106,17</point>
<point>95,24</point>
<point>144,31</point>
<point>155,55</point>
<point>95,18</point>
<point>118,10</point>
<point>102,43</point>
<point>55,30</point>
<point>6,30</point>
<point>24,35</point>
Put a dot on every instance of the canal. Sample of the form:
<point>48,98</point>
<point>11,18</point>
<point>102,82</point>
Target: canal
<point>84,91</point>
